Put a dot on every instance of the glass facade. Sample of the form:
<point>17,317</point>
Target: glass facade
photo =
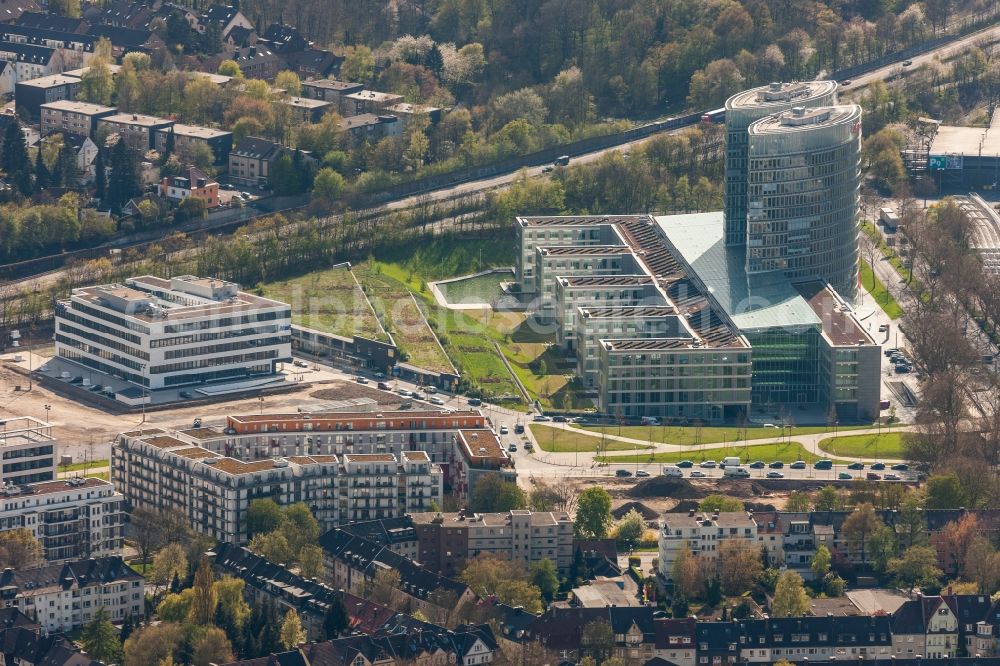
<point>786,366</point>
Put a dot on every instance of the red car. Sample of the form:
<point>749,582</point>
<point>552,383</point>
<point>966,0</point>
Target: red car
<point>872,476</point>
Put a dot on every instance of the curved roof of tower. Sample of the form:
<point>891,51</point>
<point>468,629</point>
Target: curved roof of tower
<point>780,94</point>
<point>800,119</point>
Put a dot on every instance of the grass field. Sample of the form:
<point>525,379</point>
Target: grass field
<point>689,435</point>
<point>878,291</point>
<point>479,289</point>
<point>329,300</point>
<point>80,466</point>
<point>547,376</point>
<point>559,440</point>
<point>785,452</point>
<point>870,446</point>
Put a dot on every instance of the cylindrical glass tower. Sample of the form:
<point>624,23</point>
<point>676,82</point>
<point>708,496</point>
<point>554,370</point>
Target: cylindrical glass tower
<point>744,108</point>
<point>804,175</point>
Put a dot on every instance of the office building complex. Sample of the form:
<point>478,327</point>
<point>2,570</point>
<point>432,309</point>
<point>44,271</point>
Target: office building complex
<point>28,451</point>
<point>159,333</point>
<point>804,180</point>
<point>742,110</point>
<point>345,466</point>
<point>72,519</point>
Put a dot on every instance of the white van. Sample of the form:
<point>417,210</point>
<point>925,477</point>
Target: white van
<point>649,421</point>
<point>731,461</point>
<point>736,473</point>
<point>673,471</point>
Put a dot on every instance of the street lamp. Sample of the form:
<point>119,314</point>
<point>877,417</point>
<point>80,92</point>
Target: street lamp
<point>47,408</point>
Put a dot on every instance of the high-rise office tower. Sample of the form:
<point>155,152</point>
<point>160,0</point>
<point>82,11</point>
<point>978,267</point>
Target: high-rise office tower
<point>804,174</point>
<point>745,108</point>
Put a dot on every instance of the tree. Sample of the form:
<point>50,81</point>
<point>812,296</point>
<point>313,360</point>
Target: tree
<point>170,562</point>
<point>231,601</point>
<point>911,525</point>
<point>739,565</point>
<point>230,68</point>
<point>859,526</point>
<point>944,491</point>
<point>829,499</point>
<point>42,178</point>
<point>957,538</point>
<point>176,607</point>
<point>14,159</point>
<point>916,567</point>
<point>284,177</point>
<point>686,573</point>
<point>263,516</point>
<point>983,565</point>
<point>97,85</point>
<point>19,549</point>
<point>69,8</point>
<point>593,513</point>
<point>289,82</point>
<point>384,587</point>
<point>790,598</point>
<point>798,502</point>
<point>597,640</point>
<point>212,648</point>
<point>630,529</point>
<point>492,494</point>
<point>100,176</point>
<point>495,575</point>
<point>300,527</point>
<point>358,65</point>
<point>720,503</point>
<point>545,577</point>
<point>820,565</point>
<point>311,561</point>
<point>205,598</point>
<point>123,184</point>
<point>292,632</point>
<point>328,185</point>
<point>153,644</point>
<point>336,620</point>
<point>273,547</point>
<point>100,638</point>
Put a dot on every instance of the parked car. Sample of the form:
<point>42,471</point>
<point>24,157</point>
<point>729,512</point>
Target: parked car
<point>383,386</point>
<point>299,363</point>
<point>547,168</point>
<point>775,475</point>
<point>361,380</point>
<point>757,464</point>
<point>503,429</point>
<point>430,389</point>
<point>623,473</point>
<point>540,418</point>
<point>512,448</point>
<point>900,467</point>
<point>844,476</point>
<point>404,392</point>
<point>891,477</point>
<point>475,402</point>
<point>798,464</point>
<point>197,423</point>
<point>823,464</point>
<point>878,466</point>
<point>856,465</point>
<point>907,63</point>
<point>872,476</point>
<point>641,473</point>
<point>777,464</point>
<point>434,400</point>
<point>883,328</point>
<point>697,474</point>
<point>559,419</point>
<point>186,395</point>
<point>708,464</point>
<point>889,352</point>
<point>685,464</point>
<point>672,471</point>
<point>519,429</point>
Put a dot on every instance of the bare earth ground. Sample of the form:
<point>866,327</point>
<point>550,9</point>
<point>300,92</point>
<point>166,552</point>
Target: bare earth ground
<point>84,430</point>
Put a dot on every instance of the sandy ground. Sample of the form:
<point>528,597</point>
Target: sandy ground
<point>84,430</point>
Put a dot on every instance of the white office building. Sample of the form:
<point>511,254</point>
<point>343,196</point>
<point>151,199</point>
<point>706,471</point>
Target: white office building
<point>28,451</point>
<point>72,519</point>
<point>162,333</point>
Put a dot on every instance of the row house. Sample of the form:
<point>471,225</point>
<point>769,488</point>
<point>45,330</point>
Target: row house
<point>24,643</point>
<point>926,626</point>
<point>825,638</point>
<point>65,597</point>
<point>72,518</point>
<point>352,564</point>
<point>73,118</point>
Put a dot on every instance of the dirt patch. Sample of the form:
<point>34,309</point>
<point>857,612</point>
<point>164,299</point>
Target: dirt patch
<point>662,486</point>
<point>352,390</point>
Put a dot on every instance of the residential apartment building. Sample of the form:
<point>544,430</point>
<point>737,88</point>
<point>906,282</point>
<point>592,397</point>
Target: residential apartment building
<point>72,519</point>
<point>399,535</point>
<point>368,101</point>
<point>926,626</point>
<point>157,470</point>
<point>369,127</point>
<point>71,117</point>
<point>65,597</point>
<point>158,333</point>
<point>187,139</point>
<point>135,129</point>
<point>30,61</point>
<point>702,534</point>
<point>407,113</point>
<point>306,109</point>
<point>30,95</point>
<point>815,639</point>
<point>193,184</point>
<point>28,450</point>
<point>330,90</point>
<point>251,160</point>
<point>447,541</point>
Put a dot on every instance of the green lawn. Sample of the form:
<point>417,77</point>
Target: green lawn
<point>887,445</point>
<point>559,440</point>
<point>479,289</point>
<point>878,291</point>
<point>785,452</point>
<point>80,466</point>
<point>548,376</point>
<point>690,436</point>
<point>329,300</point>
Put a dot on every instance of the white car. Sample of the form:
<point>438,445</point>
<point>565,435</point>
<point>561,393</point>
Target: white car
<point>673,471</point>
<point>436,401</point>
<point>504,430</point>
